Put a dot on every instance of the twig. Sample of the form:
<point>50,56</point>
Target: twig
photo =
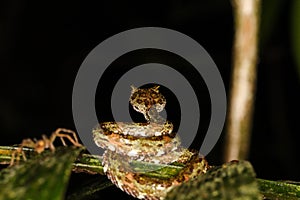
<point>243,81</point>
<point>92,164</point>
<point>279,189</point>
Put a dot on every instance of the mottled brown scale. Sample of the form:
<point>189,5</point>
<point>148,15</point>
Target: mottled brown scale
<point>160,148</point>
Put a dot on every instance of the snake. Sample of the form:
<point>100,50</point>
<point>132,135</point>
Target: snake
<point>152,142</point>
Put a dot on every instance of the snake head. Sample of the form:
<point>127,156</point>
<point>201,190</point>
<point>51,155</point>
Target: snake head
<point>143,99</point>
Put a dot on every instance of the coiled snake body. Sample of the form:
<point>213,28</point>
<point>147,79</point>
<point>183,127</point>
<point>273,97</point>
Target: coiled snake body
<point>152,142</point>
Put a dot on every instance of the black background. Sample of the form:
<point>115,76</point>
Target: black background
<point>43,44</point>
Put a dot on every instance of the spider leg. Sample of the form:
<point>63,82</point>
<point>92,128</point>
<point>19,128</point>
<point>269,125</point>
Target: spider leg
<point>51,147</point>
<point>62,133</point>
<point>63,141</point>
<point>23,155</point>
<point>13,156</point>
<point>68,131</point>
<point>17,158</point>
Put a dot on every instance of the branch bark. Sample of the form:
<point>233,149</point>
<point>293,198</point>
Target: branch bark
<point>243,80</point>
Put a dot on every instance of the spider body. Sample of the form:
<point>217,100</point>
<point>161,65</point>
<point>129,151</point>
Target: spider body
<point>45,143</point>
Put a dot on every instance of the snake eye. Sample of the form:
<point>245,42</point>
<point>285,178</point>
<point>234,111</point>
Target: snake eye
<point>133,96</point>
<point>139,101</point>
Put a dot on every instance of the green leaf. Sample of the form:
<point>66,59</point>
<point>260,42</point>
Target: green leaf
<point>44,176</point>
<point>231,181</point>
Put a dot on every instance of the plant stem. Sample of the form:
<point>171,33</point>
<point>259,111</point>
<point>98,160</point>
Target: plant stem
<point>92,164</point>
<point>278,189</point>
<point>243,80</point>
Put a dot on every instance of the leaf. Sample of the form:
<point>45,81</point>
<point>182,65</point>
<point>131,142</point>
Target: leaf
<point>43,177</point>
<point>231,181</point>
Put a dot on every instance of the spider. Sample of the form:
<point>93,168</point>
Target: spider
<point>45,143</point>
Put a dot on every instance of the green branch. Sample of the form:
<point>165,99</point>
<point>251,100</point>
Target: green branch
<point>91,164</point>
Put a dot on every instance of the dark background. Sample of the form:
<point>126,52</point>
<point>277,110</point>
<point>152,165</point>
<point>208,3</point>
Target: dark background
<point>43,44</point>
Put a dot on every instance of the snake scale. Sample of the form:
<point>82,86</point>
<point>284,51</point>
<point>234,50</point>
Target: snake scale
<point>153,142</point>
